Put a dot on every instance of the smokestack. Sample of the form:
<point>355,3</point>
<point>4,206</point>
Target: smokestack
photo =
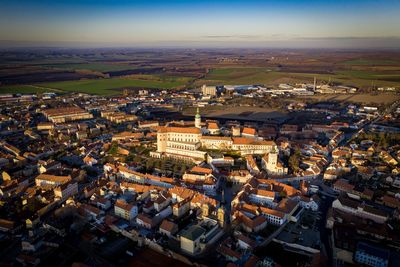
<point>315,82</point>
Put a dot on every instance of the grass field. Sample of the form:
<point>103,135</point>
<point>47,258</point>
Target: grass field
<point>24,89</point>
<point>106,86</point>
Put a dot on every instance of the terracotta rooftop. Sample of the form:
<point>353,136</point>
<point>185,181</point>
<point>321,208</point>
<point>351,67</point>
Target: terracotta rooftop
<point>250,141</point>
<point>168,226</point>
<point>129,135</point>
<point>264,193</point>
<point>63,111</point>
<point>213,126</point>
<point>201,170</point>
<point>276,213</point>
<point>343,185</point>
<point>188,130</point>
<point>54,178</point>
<point>250,131</point>
<point>207,137</point>
<point>123,205</point>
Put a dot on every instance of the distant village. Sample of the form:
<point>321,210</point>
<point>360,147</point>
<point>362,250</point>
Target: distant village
<point>92,180</point>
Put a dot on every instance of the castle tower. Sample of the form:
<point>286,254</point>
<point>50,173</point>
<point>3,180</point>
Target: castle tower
<point>197,120</point>
<point>161,141</point>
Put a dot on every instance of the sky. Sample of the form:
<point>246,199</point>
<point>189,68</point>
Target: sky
<point>218,23</point>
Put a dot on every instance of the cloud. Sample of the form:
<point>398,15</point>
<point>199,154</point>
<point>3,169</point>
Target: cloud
<point>236,36</point>
<point>349,38</point>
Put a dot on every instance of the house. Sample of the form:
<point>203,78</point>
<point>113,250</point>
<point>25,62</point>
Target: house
<point>101,202</point>
<point>249,132</point>
<point>8,226</point>
<point>90,161</point>
<point>131,175</point>
<point>81,135</point>
<point>331,173</point>
<point>370,255</point>
<point>252,165</point>
<point>90,212</point>
<point>245,242</point>
<point>125,210</point>
<point>89,190</point>
<point>163,200</point>
<point>65,191</point>
<point>127,136</point>
<point>386,157</point>
<point>274,217</point>
<point>168,228</point>
<point>359,209</point>
<point>213,128</point>
<point>145,221</point>
<point>311,203</point>
<point>343,186</point>
<point>391,201</point>
<point>239,176</point>
<point>229,253</point>
<point>190,239</point>
<point>252,224</point>
<point>262,196</point>
<point>52,180</point>
<point>181,208</point>
<point>32,222</point>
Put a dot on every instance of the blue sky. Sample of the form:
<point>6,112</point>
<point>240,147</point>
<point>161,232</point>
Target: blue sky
<point>363,23</point>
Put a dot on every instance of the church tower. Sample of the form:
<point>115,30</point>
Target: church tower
<point>221,216</point>
<point>273,157</point>
<point>197,120</point>
<point>205,210</point>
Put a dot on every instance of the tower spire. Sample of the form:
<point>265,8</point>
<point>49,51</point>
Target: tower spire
<point>197,119</point>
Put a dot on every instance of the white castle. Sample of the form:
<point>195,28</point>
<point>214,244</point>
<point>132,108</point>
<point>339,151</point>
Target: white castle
<point>188,143</point>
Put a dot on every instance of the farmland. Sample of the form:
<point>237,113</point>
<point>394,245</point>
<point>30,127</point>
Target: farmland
<point>358,78</point>
<point>108,86</point>
<point>369,62</point>
<point>98,71</point>
<point>24,89</point>
<point>101,67</point>
<point>380,99</point>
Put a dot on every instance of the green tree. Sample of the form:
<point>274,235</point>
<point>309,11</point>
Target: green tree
<point>294,161</point>
<point>149,164</point>
<point>114,148</point>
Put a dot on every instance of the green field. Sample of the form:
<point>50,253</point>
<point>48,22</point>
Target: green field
<point>102,67</point>
<point>106,86</point>
<point>254,76</point>
<point>369,62</point>
<point>24,89</point>
<point>240,75</point>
